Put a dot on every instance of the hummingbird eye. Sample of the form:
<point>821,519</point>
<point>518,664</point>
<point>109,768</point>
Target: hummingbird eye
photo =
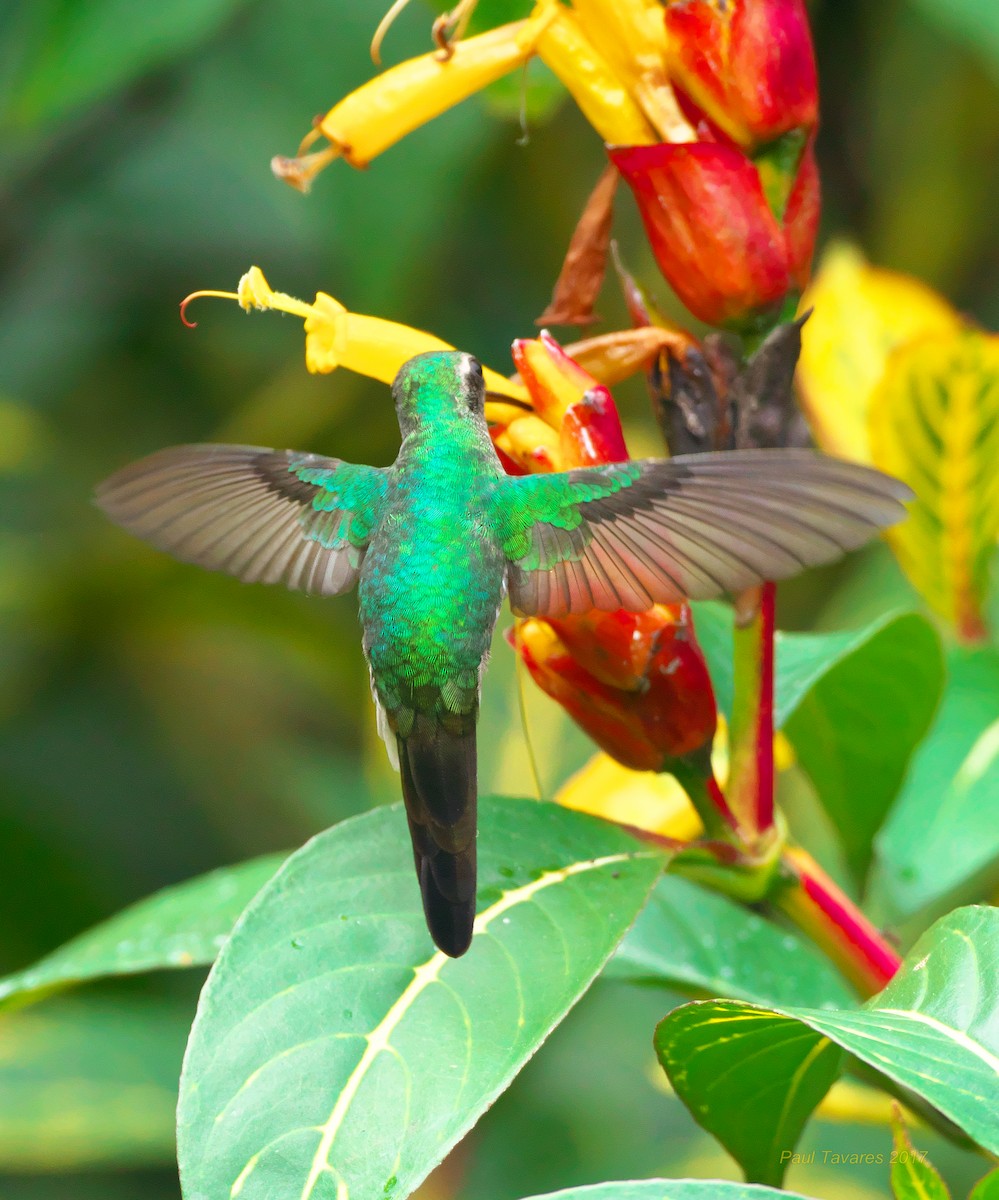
<point>475,382</point>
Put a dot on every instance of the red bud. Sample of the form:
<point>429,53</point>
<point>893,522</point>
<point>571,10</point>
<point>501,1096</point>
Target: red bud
<point>749,64</point>
<point>714,236</point>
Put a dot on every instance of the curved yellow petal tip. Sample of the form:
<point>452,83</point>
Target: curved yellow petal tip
<point>300,171</point>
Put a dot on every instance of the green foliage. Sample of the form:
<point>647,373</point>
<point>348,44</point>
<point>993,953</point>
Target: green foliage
<point>975,22</point>
<point>183,926</point>
<point>944,831</point>
<point>712,1052</point>
<point>77,53</point>
<point>703,944</point>
<point>913,1176</point>
<point>668,1189</point>
<point>155,723</point>
<point>933,1032</point>
<point>854,705</point>
<point>987,1188</point>
<point>86,1084</point>
<point>393,1033</point>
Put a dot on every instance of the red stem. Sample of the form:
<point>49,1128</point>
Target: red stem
<point>817,906</point>
<point>717,797</point>
<point>765,712</point>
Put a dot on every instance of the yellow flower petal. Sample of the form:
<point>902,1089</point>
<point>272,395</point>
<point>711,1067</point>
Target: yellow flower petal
<point>601,93</point>
<point>336,337</point>
<point>533,444</point>
<point>647,800</point>
<point>640,798</point>
<point>861,313</point>
<point>382,111</point>
<point>935,424</point>
<point>631,34</point>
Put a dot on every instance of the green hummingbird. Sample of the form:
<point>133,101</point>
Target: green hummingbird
<point>435,540</point>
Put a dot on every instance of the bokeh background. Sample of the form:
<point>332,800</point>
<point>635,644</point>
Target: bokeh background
<point>156,722</point>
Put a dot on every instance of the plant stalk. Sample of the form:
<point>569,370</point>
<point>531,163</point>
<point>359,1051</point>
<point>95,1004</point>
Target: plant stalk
<point>831,919</point>
<point>751,786</point>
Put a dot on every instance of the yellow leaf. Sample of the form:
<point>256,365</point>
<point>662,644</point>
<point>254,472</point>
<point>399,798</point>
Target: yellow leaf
<point>861,314</point>
<point>934,422</point>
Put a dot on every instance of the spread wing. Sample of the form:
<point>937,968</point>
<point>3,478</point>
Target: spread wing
<point>630,535</point>
<point>268,516</point>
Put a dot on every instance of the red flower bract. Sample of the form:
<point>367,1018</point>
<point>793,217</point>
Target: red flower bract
<point>749,64</point>
<point>713,233</point>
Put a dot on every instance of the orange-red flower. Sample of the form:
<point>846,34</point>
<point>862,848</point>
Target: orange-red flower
<point>637,683</point>
<point>715,237</point>
<point>747,64</point>
<point>646,700</point>
<point>732,217</point>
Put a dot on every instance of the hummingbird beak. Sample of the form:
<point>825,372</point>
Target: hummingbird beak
<point>507,402</point>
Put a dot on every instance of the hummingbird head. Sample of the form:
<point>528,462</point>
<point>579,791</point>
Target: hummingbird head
<point>439,387</point>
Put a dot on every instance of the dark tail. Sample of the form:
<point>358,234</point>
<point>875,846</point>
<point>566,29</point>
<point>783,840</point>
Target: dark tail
<point>439,787</point>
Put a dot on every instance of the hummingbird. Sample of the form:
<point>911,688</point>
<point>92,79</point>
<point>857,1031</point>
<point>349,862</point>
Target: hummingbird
<point>436,540</point>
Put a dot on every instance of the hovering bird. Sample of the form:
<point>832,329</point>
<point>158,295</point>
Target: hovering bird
<point>435,540</point>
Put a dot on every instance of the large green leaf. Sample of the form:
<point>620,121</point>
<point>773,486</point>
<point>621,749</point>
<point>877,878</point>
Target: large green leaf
<point>933,1031</point>
<point>705,944</point>
<point>669,1189</point>
<point>856,729</point>
<point>944,828</point>
<point>89,1083</point>
<point>335,1054</point>
<point>854,705</point>
<point>182,926</point>
<point>750,1076</point>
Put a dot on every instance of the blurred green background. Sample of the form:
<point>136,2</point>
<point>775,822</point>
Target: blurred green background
<point>156,721</point>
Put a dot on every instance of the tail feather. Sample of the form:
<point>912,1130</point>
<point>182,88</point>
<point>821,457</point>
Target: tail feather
<point>438,771</point>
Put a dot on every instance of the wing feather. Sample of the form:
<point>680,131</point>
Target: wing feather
<point>632,534</point>
<point>248,511</point>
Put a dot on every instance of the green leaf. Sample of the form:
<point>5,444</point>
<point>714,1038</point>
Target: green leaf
<point>975,22</point>
<point>854,705</point>
<point>913,1176</point>
<point>335,1054</point>
<point>79,53</point>
<point>933,1031</point>
<point>670,1189</point>
<point>90,1083</point>
<point>987,1188</point>
<point>182,926</point>
<point>704,944</point>
<point>750,1077</point>
<point>944,828</point>
<point>856,729</point>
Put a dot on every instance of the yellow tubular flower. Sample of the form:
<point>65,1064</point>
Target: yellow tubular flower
<point>383,110</point>
<point>643,799</point>
<point>335,337</point>
<point>532,443</point>
<point>602,95</point>
<point>609,55</point>
<point>632,34</point>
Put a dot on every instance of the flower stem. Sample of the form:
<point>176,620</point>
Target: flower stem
<point>751,790</point>
<point>831,919</point>
<point>698,781</point>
